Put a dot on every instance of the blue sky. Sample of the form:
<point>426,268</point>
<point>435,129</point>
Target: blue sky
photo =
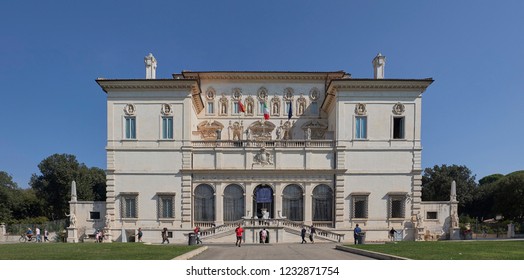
<point>54,50</point>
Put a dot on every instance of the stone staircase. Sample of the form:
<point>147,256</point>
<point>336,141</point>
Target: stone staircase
<point>280,231</point>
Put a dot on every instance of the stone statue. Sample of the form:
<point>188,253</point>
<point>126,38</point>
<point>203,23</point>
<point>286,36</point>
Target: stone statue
<point>454,219</point>
<point>236,130</point>
<point>108,221</point>
<point>72,219</point>
<point>279,133</point>
<point>308,133</point>
<point>265,214</point>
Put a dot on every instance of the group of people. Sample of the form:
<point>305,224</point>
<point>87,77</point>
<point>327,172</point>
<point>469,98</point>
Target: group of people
<point>311,233</point>
<point>29,235</point>
<point>99,236</point>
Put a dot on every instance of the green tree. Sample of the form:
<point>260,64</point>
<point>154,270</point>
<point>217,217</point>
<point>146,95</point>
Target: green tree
<point>53,186</point>
<point>483,202</point>
<point>509,197</point>
<point>7,187</point>
<point>490,179</point>
<point>15,203</point>
<point>436,184</point>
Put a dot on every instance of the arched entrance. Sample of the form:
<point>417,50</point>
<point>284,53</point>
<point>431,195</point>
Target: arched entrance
<point>204,204</point>
<point>233,203</point>
<point>263,201</point>
<point>293,202</point>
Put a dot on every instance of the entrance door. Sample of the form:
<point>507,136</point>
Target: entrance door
<point>263,201</point>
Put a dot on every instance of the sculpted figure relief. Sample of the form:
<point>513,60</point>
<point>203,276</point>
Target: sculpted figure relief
<point>235,131</point>
<point>263,157</point>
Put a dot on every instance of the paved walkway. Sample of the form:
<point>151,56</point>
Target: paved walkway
<point>280,251</point>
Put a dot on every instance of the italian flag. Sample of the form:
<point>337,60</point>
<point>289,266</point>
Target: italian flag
<point>241,106</point>
<point>266,111</point>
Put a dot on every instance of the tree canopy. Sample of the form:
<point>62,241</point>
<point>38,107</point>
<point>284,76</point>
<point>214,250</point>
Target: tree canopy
<point>436,184</point>
<point>53,186</point>
<point>509,196</point>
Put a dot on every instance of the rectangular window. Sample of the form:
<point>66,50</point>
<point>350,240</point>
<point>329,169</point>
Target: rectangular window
<point>130,128</point>
<point>236,108</point>
<point>94,215</point>
<point>360,207</point>
<point>288,105</point>
<point>431,215</point>
<point>166,206</point>
<point>313,108</point>
<point>210,108</point>
<point>361,127</point>
<point>167,127</point>
<point>396,207</point>
<point>398,128</point>
<point>129,206</point>
<point>261,107</point>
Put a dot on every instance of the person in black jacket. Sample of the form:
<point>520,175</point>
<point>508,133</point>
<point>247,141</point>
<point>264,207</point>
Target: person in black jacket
<point>303,235</point>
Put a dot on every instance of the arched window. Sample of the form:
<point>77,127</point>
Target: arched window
<point>204,210</point>
<point>233,203</point>
<point>322,203</point>
<point>293,203</point>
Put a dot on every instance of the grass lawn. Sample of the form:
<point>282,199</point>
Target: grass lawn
<point>450,250</point>
<point>91,251</point>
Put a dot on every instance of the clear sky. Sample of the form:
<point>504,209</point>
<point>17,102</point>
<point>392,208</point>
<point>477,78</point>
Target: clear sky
<point>54,50</point>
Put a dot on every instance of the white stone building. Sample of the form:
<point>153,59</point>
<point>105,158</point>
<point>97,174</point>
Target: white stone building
<point>197,150</point>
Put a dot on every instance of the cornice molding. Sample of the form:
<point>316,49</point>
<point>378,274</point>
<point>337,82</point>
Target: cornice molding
<point>263,172</point>
<point>336,85</point>
<point>254,75</point>
<point>405,84</point>
<point>154,84</point>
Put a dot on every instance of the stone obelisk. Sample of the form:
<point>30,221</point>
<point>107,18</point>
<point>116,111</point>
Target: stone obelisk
<point>72,230</point>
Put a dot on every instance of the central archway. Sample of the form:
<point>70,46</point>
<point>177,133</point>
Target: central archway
<point>263,200</point>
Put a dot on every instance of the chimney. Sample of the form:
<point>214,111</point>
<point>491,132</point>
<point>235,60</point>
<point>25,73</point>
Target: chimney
<point>379,63</point>
<point>150,62</point>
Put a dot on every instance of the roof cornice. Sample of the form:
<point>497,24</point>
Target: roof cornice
<point>261,75</point>
<point>404,84</point>
<point>155,84</point>
<point>418,85</point>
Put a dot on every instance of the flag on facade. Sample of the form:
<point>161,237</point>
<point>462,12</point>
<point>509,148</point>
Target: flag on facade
<point>290,111</point>
<point>266,111</point>
<point>241,106</point>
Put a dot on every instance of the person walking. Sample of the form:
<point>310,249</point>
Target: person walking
<point>38,236</point>
<point>139,234</point>
<point>46,235</point>
<point>356,235</point>
<point>263,235</point>
<point>164,236</point>
<point>303,235</point>
<point>239,231</point>
<point>392,234</point>
<point>197,235</point>
<point>312,232</point>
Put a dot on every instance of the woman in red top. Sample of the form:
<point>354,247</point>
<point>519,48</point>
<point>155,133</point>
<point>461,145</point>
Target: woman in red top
<point>239,230</point>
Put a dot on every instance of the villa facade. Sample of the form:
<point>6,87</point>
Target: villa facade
<point>279,150</point>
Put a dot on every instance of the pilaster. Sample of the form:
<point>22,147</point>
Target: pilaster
<point>219,203</point>
<point>308,202</point>
<point>187,190</point>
